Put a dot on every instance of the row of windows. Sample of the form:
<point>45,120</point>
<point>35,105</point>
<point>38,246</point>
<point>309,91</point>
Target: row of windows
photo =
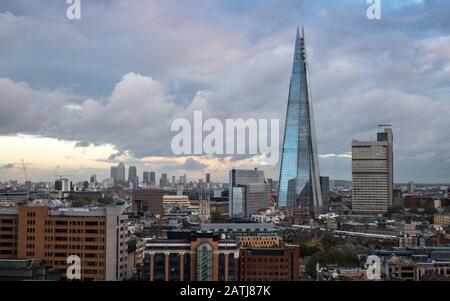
<point>64,263</point>
<point>74,223</point>
<point>74,247</point>
<point>7,236</point>
<point>86,255</point>
<point>77,239</point>
<point>7,221</point>
<point>259,259</point>
<point>269,273</point>
<point>7,252</point>
<point>251,266</point>
<point>9,229</point>
<point>7,244</point>
<point>64,230</point>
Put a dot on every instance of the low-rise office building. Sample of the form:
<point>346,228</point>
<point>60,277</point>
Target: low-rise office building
<point>399,269</point>
<point>148,201</point>
<point>259,241</point>
<point>270,264</point>
<point>194,256</point>
<point>253,235</point>
<point>26,269</point>
<point>442,220</point>
<point>434,270</point>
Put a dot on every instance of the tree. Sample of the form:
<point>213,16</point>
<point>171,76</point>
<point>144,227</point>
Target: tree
<point>309,249</point>
<point>414,210</point>
<point>106,201</point>
<point>430,210</point>
<point>218,218</point>
<point>328,241</point>
<point>392,210</point>
<point>80,202</point>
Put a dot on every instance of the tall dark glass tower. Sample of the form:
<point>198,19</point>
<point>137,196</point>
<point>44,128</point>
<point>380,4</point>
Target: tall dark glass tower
<point>299,173</point>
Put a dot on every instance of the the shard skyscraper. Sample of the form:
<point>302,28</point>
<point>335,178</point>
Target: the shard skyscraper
<point>299,173</point>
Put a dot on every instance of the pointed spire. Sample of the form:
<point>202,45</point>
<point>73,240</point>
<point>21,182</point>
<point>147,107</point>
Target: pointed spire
<point>298,41</point>
<point>302,46</point>
<point>296,67</point>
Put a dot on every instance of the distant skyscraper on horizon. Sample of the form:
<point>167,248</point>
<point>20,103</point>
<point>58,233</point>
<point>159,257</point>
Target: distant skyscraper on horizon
<point>411,187</point>
<point>152,178</point>
<point>63,185</point>
<point>146,177</point>
<point>114,174</point>
<point>299,173</point>
<point>132,176</point>
<point>93,179</point>
<point>120,173</point>
<point>163,181</point>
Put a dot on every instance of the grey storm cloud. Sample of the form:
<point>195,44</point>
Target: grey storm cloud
<point>192,164</point>
<point>82,144</point>
<point>124,72</point>
<point>189,164</point>
<point>7,166</point>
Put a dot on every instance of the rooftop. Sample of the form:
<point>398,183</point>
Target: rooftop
<point>243,226</point>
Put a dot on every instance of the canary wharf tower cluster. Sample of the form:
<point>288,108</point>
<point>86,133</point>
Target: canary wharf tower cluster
<point>299,173</point>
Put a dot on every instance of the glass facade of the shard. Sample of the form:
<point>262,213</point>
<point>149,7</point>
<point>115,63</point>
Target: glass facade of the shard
<point>299,174</point>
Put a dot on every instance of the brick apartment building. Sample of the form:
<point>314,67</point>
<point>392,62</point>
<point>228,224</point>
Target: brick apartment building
<point>97,236</point>
<point>270,264</point>
<point>148,201</point>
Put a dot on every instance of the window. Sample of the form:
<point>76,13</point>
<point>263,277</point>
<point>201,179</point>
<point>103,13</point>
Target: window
<point>6,244</point>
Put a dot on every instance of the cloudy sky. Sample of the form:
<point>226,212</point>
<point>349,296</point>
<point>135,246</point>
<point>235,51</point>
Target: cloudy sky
<point>77,96</point>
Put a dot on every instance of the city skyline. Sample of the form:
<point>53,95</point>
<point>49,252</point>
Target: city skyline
<point>232,144</point>
<point>63,119</point>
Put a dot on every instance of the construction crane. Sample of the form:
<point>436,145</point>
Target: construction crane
<point>26,180</point>
<point>24,170</point>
